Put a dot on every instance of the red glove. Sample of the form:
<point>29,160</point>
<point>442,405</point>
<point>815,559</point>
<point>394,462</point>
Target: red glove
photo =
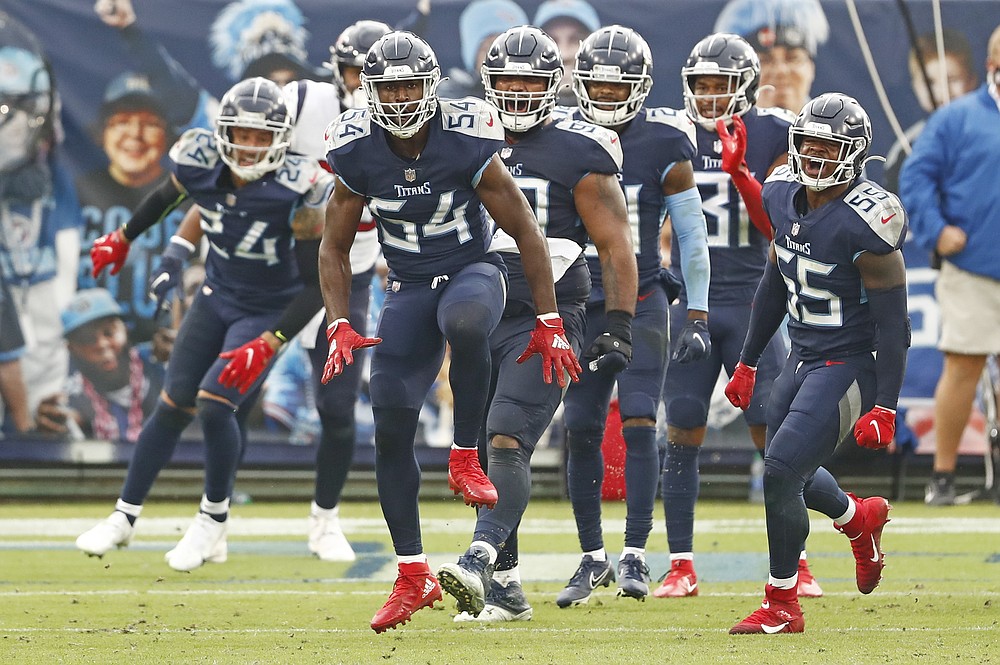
<point>343,342</point>
<point>876,428</point>
<point>110,249</point>
<point>739,390</point>
<point>245,364</point>
<point>548,339</point>
<point>734,150</point>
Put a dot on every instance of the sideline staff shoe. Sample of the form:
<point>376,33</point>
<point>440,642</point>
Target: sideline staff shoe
<point>633,577</point>
<point>466,477</point>
<point>680,581</point>
<point>779,613</point>
<point>865,533</point>
<point>111,532</point>
<point>415,589</point>
<point>468,580</point>
<point>590,575</point>
<point>203,542</point>
<point>503,603</point>
<point>808,587</point>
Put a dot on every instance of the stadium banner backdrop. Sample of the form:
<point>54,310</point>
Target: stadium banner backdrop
<point>86,55</point>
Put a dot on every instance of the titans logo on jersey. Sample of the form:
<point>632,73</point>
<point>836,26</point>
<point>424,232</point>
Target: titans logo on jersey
<point>430,219</point>
<point>249,229</point>
<point>736,248</point>
<point>827,306</point>
<point>655,140</point>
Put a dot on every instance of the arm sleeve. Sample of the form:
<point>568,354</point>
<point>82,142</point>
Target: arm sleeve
<point>888,308</point>
<point>309,300</point>
<point>692,236</point>
<point>766,314</point>
<point>920,183</point>
<point>153,208</point>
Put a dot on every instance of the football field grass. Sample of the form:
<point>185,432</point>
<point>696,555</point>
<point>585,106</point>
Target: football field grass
<point>271,602</point>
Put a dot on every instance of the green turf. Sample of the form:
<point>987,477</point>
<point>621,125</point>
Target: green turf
<point>271,603</point>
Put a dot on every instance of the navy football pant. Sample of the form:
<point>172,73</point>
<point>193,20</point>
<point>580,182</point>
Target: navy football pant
<point>586,412</point>
<point>414,325</point>
<point>814,405</point>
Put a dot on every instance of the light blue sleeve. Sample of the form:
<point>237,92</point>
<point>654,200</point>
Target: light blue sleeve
<point>689,226</point>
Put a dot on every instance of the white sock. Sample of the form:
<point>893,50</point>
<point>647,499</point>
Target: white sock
<point>214,507</point>
<point>788,583</point>
<point>639,552</point>
<point>492,551</point>
<point>681,556</point>
<point>852,508</point>
<point>316,511</point>
<point>597,555</point>
<point>129,509</point>
<point>412,558</point>
<point>505,577</point>
<point>802,555</point>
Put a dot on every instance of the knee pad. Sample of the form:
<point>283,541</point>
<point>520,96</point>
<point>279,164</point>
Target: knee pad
<point>637,405</point>
<point>687,413</point>
<point>781,480</point>
<point>506,419</point>
<point>581,417</point>
<point>467,324</point>
<point>584,440</point>
<point>389,391</point>
<point>211,411</point>
<point>394,429</point>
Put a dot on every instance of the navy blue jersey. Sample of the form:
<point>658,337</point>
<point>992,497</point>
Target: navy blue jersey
<point>430,219</point>
<point>655,140</point>
<point>250,258</point>
<point>549,161</point>
<point>828,314</point>
<point>736,248</point>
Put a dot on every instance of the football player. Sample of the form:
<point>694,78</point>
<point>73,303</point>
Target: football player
<point>426,168</point>
<point>720,80</point>
<point>262,213</point>
<point>574,199</point>
<point>835,267</point>
<point>612,77</point>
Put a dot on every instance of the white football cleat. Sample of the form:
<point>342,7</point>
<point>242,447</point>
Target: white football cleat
<point>326,538</point>
<point>111,532</point>
<point>204,541</point>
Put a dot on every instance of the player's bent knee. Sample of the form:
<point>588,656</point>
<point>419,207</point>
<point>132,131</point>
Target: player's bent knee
<point>687,413</point>
<point>505,421</point>
<point>504,441</point>
<point>636,406</point>
<point>578,417</point>
<point>389,391</point>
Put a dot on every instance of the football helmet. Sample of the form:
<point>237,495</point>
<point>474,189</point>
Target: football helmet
<point>350,50</point>
<point>401,56</point>
<point>831,117</point>
<point>722,54</point>
<point>618,55</point>
<point>523,51</point>
<point>254,103</point>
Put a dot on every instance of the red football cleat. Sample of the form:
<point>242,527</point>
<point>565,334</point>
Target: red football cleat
<point>779,613</point>
<point>415,588</point>
<point>680,581</point>
<point>865,533</point>
<point>466,477</point>
<point>808,586</point>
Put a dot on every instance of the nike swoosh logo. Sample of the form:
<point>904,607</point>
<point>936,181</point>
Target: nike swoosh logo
<point>875,556</point>
<point>878,437</point>
<point>766,605</point>
<point>597,579</point>
<point>644,296</point>
<point>771,630</point>
<point>489,123</point>
<point>885,220</point>
<point>697,336</point>
<point>690,587</point>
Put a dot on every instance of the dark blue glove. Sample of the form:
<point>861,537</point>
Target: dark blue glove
<point>168,274</point>
<point>694,344</point>
<point>671,284</point>
<point>612,350</point>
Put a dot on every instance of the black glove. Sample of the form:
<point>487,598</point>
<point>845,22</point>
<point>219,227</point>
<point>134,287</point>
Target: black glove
<point>612,350</point>
<point>671,285</point>
<point>694,344</point>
